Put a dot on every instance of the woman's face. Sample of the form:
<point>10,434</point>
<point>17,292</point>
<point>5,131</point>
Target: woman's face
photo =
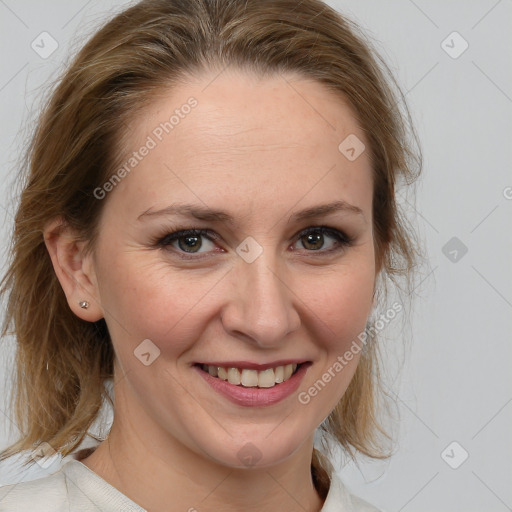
<point>261,287</point>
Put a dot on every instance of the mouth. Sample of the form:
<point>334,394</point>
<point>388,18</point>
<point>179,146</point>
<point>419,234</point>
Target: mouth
<point>250,375</point>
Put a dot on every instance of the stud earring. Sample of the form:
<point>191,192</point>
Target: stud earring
<point>83,304</point>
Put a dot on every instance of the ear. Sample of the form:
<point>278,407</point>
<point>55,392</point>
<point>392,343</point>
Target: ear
<point>74,269</point>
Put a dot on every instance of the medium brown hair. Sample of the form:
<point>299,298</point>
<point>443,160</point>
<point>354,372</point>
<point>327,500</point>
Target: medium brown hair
<point>62,362</point>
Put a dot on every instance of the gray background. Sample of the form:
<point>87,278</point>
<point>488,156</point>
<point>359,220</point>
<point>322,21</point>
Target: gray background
<point>455,384</point>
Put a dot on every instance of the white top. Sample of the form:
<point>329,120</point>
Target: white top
<point>75,487</point>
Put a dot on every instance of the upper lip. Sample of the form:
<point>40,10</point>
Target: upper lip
<point>249,365</point>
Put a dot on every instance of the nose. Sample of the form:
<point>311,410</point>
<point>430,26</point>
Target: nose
<point>261,307</point>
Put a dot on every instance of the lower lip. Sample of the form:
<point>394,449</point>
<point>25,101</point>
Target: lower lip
<point>255,397</point>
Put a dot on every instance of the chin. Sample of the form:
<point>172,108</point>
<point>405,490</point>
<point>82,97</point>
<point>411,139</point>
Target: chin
<point>256,452</point>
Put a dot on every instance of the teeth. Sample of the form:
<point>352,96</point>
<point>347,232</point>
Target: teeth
<point>233,376</point>
<point>249,378</point>
<point>266,378</point>
<point>288,370</point>
<point>252,378</point>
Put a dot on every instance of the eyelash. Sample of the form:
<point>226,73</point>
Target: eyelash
<point>342,240</point>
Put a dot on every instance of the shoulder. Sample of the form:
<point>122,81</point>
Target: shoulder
<point>45,494</point>
<point>360,505</point>
<point>339,499</point>
<point>71,488</point>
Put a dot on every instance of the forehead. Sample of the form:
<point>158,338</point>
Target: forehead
<point>236,136</point>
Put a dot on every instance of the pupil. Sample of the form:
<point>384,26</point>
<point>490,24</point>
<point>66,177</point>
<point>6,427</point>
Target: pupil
<point>190,243</point>
<point>314,239</point>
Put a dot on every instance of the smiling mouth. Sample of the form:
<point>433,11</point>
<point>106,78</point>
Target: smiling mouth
<point>252,378</point>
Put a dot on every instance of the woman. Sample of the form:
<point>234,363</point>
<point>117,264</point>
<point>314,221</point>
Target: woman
<point>208,218</point>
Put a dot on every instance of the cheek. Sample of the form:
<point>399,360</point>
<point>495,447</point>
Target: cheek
<point>340,307</point>
<point>341,302</point>
<point>144,298</point>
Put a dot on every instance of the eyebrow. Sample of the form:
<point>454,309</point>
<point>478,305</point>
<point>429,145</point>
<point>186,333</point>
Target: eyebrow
<point>207,214</point>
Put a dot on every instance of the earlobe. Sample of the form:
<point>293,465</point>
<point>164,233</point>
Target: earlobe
<point>74,270</point>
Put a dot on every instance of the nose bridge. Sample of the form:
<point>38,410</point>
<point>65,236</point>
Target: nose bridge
<point>262,307</point>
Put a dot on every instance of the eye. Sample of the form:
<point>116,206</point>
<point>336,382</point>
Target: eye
<point>187,243</point>
<point>313,239</point>
<point>190,240</point>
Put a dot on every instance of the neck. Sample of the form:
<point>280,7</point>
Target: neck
<point>155,470</point>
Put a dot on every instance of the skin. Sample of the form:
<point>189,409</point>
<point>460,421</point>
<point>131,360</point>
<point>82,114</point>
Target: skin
<point>260,149</point>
